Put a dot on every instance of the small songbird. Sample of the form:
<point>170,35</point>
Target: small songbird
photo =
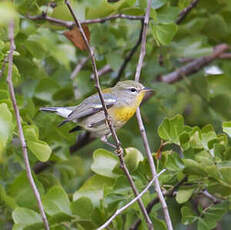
<point>122,100</point>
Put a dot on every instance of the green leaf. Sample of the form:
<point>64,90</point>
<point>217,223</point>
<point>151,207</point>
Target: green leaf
<point>24,195</point>
<point>6,126</point>
<point>226,125</point>
<point>132,158</point>
<point>82,207</point>
<point>9,201</point>
<point>40,149</point>
<point>164,33</point>
<point>104,163</point>
<point>26,216</point>
<point>93,189</point>
<point>56,201</point>
<point>183,195</point>
<point>170,129</point>
<point>188,215</point>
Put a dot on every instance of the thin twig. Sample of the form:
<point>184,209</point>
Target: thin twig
<point>155,201</point>
<point>210,197</point>
<point>186,11</point>
<point>20,130</point>
<point>106,69</point>
<point>119,211</point>
<point>194,66</point>
<point>4,65</point>
<point>141,125</point>
<point>70,24</point>
<point>78,67</point>
<point>119,150</point>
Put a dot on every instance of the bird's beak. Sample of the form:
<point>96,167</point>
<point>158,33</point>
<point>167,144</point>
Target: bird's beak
<point>147,89</point>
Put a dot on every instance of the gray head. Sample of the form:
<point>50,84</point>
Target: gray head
<point>131,92</point>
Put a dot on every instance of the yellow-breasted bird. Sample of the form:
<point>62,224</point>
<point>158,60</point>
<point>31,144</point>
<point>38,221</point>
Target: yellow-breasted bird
<point>122,100</point>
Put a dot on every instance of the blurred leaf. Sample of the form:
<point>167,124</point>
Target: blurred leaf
<point>24,195</point>
<point>25,217</point>
<point>93,189</point>
<point>164,33</point>
<point>227,127</point>
<point>183,195</point>
<point>6,127</point>
<point>82,207</point>
<point>56,201</point>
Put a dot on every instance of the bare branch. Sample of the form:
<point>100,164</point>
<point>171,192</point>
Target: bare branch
<point>43,16</point>
<point>210,197</point>
<point>118,150</point>
<point>70,24</point>
<point>106,69</point>
<point>186,11</point>
<point>19,125</point>
<point>155,201</point>
<point>141,125</point>
<point>194,66</point>
<point>119,211</point>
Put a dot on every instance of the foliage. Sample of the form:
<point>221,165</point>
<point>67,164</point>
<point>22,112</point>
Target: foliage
<point>82,190</point>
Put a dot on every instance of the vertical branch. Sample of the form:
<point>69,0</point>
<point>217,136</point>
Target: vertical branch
<point>19,125</point>
<point>141,125</point>
<point>118,150</point>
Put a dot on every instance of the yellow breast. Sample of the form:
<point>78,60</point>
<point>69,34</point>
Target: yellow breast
<point>121,114</point>
<point>124,113</point>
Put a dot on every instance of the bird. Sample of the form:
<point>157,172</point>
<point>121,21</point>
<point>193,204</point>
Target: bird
<point>121,101</point>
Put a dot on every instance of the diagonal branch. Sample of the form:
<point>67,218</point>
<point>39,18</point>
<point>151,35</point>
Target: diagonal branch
<point>118,150</point>
<point>186,11</point>
<point>194,66</point>
<point>141,125</point>
<point>119,211</point>
<point>129,56</point>
<point>155,201</point>
<point>20,130</point>
<point>70,24</point>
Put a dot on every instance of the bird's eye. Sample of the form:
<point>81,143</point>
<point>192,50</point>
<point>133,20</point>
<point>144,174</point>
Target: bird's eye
<point>133,90</point>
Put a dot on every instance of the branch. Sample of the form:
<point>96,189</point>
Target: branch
<point>119,211</point>
<point>155,201</point>
<point>70,24</point>
<point>118,150</point>
<point>129,56</point>
<point>106,69</point>
<point>195,65</point>
<point>141,125</point>
<point>210,197</point>
<point>186,11</point>
<point>19,125</point>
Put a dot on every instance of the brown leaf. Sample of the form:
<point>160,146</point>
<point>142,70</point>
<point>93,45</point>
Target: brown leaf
<point>75,37</point>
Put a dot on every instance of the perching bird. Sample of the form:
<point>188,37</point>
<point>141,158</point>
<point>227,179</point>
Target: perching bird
<point>122,100</point>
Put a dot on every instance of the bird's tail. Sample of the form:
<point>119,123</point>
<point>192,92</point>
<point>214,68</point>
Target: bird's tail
<point>61,111</point>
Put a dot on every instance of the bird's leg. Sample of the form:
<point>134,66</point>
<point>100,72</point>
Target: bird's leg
<point>104,139</point>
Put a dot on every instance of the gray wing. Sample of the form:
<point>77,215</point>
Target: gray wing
<point>91,105</point>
